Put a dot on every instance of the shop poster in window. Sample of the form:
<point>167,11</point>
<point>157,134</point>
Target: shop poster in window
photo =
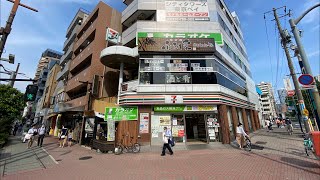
<point>165,120</point>
<point>144,123</point>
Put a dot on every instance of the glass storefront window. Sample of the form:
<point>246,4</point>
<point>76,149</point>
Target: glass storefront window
<point>178,127</point>
<point>204,78</point>
<point>178,78</point>
<point>171,70</point>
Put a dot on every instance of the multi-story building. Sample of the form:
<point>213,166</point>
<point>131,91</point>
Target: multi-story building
<point>47,56</point>
<point>46,87</point>
<point>48,96</point>
<point>183,65</point>
<point>59,106</point>
<point>85,72</point>
<point>268,101</point>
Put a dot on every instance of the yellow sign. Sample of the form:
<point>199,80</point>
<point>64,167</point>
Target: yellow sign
<point>165,120</point>
<point>305,112</point>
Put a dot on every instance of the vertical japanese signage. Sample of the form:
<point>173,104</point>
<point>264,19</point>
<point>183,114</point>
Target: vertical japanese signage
<point>144,123</point>
<point>178,42</point>
<point>187,11</point>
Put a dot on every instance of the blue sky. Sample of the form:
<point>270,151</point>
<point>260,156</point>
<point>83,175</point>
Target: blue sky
<point>33,32</point>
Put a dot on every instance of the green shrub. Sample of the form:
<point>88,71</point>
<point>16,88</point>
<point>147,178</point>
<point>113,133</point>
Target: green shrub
<point>3,137</point>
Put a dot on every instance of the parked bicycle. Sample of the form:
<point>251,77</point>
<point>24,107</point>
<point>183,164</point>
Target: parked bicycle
<point>247,145</point>
<point>308,145</point>
<point>132,147</point>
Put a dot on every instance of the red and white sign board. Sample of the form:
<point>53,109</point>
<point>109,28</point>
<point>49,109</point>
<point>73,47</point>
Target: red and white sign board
<point>290,93</point>
<point>305,87</point>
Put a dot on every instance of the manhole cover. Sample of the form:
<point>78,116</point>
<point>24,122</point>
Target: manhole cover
<point>85,158</point>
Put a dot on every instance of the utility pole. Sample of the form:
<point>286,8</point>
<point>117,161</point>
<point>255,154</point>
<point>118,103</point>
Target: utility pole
<point>285,39</point>
<point>14,75</point>
<point>309,91</point>
<point>304,59</point>
<point>4,32</point>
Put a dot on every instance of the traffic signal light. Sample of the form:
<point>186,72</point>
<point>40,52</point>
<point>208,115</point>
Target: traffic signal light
<point>31,92</point>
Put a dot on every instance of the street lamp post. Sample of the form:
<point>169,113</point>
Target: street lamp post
<point>304,58</point>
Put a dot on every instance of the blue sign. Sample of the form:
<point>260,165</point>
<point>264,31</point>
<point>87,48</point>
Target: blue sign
<point>306,79</point>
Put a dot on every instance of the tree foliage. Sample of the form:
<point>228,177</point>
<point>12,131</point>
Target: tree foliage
<point>11,105</point>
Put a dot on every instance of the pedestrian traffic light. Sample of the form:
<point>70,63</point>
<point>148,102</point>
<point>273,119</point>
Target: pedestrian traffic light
<point>31,92</point>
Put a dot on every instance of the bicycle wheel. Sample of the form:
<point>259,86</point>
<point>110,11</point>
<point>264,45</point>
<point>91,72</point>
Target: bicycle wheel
<point>136,148</point>
<point>118,150</point>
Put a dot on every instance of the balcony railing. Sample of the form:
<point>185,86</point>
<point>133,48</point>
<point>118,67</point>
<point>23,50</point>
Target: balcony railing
<point>74,81</point>
<point>71,38</point>
<point>130,86</point>
<point>63,72</point>
<point>67,55</point>
<point>81,56</point>
<point>85,35</point>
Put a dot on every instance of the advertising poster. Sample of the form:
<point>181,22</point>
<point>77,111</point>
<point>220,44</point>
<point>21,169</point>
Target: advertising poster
<point>144,123</point>
<point>176,129</point>
<point>165,120</point>
<point>111,131</point>
<point>89,125</point>
<point>180,133</point>
<point>155,126</point>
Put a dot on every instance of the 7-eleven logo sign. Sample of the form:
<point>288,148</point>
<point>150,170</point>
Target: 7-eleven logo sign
<point>173,99</point>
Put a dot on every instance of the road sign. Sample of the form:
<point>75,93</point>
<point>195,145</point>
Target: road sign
<point>290,93</point>
<point>306,79</point>
<point>305,87</point>
<point>305,112</point>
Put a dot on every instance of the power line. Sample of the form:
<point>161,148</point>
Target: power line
<point>265,24</point>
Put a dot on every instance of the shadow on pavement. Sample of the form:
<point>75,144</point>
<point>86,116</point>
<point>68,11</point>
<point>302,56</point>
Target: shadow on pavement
<point>300,162</point>
<point>66,153</point>
<point>295,164</point>
<point>257,147</point>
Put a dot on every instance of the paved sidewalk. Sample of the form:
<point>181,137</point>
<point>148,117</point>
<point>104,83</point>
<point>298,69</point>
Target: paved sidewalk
<point>275,156</point>
<point>16,158</point>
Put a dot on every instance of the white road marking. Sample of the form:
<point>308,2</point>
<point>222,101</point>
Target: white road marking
<point>50,156</point>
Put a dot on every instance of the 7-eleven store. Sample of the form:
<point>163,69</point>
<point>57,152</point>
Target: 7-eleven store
<point>193,119</point>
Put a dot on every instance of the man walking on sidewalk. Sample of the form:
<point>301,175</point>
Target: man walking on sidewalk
<point>42,132</point>
<point>165,137</point>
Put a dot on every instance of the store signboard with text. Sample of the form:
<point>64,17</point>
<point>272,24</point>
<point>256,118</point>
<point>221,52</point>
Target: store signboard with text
<point>186,11</point>
<point>178,42</point>
<point>185,108</point>
<point>121,113</point>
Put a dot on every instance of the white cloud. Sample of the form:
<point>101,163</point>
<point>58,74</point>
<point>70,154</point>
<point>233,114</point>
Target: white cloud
<point>314,53</point>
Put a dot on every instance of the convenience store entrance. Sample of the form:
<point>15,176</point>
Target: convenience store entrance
<point>196,130</point>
